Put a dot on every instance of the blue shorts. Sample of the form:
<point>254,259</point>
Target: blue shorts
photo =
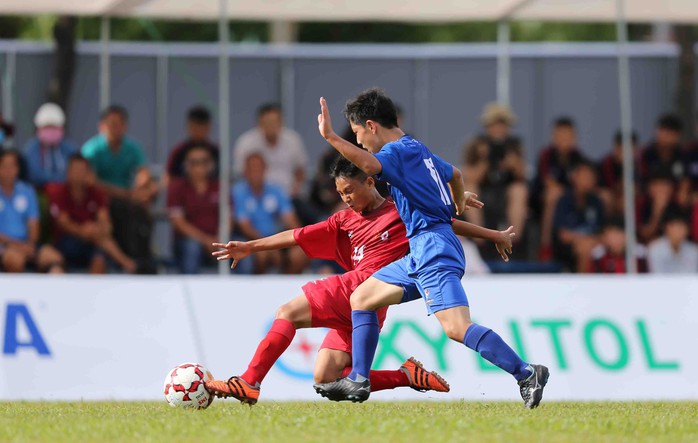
<point>432,270</point>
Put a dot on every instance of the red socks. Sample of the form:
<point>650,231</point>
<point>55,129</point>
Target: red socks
<point>381,380</point>
<point>269,350</point>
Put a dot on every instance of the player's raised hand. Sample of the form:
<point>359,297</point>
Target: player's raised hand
<point>324,121</point>
<point>504,243</point>
<point>236,250</point>
<point>471,201</point>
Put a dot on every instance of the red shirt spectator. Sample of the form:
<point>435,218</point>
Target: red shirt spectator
<point>78,211</point>
<point>199,209</point>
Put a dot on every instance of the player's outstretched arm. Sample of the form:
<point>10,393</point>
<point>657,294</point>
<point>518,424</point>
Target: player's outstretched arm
<point>237,250</point>
<point>458,190</point>
<point>363,159</point>
<point>502,239</point>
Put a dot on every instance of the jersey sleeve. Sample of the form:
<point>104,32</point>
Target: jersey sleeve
<point>391,167</point>
<point>445,167</point>
<point>323,241</point>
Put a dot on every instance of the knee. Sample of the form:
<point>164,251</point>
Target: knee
<point>13,261</point>
<point>288,313</point>
<point>359,301</point>
<point>456,331</point>
<point>49,257</point>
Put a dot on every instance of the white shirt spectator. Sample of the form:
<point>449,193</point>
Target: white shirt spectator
<point>662,258</point>
<point>283,160</point>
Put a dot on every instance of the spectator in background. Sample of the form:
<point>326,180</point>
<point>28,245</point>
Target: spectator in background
<point>119,164</point>
<point>48,151</point>
<point>555,165</point>
<point>578,218</point>
<point>609,255</point>
<point>657,198</point>
<point>691,165</point>
<point>263,209</point>
<point>611,175</point>
<point>192,202</point>
<point>19,223</point>
<point>198,129</point>
<point>664,158</point>
<point>82,222</point>
<point>283,151</point>
<point>494,168</point>
<point>7,130</point>
<point>673,253</point>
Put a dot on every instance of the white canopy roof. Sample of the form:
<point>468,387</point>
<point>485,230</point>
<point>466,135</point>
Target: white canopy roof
<point>683,11</point>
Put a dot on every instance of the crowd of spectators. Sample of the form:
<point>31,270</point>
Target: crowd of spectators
<point>93,208</point>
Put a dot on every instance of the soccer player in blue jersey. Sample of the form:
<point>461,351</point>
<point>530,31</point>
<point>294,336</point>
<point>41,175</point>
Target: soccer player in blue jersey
<point>419,184</point>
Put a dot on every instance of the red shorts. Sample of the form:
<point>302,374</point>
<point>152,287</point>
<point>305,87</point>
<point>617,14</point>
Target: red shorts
<point>330,307</point>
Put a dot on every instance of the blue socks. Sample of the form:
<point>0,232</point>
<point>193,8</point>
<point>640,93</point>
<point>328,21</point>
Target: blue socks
<point>364,343</point>
<point>493,349</point>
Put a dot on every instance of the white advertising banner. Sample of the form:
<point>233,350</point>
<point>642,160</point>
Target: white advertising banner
<point>116,337</point>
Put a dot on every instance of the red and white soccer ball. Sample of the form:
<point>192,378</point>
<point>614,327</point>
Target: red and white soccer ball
<point>184,387</point>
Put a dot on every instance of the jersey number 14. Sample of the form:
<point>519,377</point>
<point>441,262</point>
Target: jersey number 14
<point>445,195</point>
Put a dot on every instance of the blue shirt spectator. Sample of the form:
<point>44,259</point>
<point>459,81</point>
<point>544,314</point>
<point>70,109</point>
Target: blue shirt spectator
<point>17,210</point>
<point>47,153</point>
<point>264,210</point>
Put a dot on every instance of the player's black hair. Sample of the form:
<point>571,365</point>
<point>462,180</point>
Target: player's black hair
<point>564,122</point>
<point>618,137</point>
<point>267,108</point>
<point>199,114</point>
<point>372,104</point>
<point>114,109</point>
<point>344,168</point>
<point>670,122</point>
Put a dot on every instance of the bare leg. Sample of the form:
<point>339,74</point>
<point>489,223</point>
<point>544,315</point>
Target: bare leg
<point>109,246</point>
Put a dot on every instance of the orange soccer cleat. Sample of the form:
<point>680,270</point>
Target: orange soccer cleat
<point>234,387</point>
<point>421,379</point>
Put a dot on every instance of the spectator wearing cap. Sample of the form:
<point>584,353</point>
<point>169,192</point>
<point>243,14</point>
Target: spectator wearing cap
<point>673,253</point>
<point>82,222</point>
<point>664,158</point>
<point>495,169</point>
<point>48,151</point>
<point>611,175</point>
<point>263,209</point>
<point>555,164</point>
<point>192,202</point>
<point>578,218</point>
<point>198,134</point>
<point>283,151</point>
<point>120,168</point>
<point>19,223</point>
<point>609,255</point>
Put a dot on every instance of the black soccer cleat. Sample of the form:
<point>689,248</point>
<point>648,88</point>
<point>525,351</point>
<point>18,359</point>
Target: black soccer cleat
<point>532,388</point>
<point>345,389</point>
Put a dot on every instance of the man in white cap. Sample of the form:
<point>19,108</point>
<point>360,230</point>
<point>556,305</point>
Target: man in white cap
<point>48,151</point>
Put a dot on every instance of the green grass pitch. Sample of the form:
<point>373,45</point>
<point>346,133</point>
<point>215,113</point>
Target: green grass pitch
<point>419,422</point>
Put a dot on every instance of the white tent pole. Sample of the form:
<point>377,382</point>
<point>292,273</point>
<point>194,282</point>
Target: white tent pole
<point>224,131</point>
<point>626,128</point>
<point>104,65</point>
<point>8,85</point>
<point>503,62</point>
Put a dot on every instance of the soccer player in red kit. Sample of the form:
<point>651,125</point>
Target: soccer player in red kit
<point>362,239</point>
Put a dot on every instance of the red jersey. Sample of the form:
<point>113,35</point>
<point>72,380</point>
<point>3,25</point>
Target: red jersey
<point>201,210</point>
<point>363,242</point>
<point>79,211</point>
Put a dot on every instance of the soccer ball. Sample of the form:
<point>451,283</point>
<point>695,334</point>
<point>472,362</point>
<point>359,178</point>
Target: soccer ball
<point>184,386</point>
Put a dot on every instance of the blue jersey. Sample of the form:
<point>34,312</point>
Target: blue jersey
<point>418,184</point>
